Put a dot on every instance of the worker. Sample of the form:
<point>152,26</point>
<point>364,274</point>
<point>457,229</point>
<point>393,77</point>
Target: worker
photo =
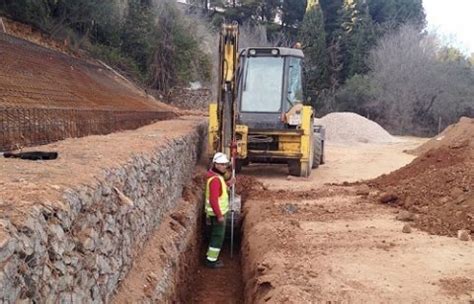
<point>217,206</point>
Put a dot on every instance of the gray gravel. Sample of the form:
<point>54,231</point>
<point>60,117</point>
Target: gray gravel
<point>350,128</point>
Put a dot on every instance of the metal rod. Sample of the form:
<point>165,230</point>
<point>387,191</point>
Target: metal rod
<point>232,209</point>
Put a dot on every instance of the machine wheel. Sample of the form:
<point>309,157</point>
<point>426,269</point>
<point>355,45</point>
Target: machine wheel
<point>322,153</point>
<point>296,168</point>
<point>317,152</point>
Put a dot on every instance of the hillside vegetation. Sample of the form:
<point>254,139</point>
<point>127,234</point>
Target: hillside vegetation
<point>372,57</point>
<point>149,40</point>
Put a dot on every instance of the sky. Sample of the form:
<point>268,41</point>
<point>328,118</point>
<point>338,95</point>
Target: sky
<point>453,21</point>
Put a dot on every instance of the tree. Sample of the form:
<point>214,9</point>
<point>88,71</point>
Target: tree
<point>138,37</point>
<point>452,54</point>
<point>414,90</point>
<point>313,37</point>
<point>394,13</point>
<point>267,9</point>
<point>176,57</point>
<point>292,12</point>
<point>356,95</point>
<point>331,9</point>
<point>51,15</point>
<point>358,37</point>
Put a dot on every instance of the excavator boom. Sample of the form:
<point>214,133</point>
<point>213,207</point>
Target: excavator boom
<point>226,91</point>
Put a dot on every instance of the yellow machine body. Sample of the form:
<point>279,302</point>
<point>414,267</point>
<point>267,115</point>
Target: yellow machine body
<point>295,144</point>
<point>291,143</point>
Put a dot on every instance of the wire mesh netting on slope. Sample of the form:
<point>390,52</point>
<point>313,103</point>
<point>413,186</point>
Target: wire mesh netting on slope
<point>46,95</point>
<point>23,127</point>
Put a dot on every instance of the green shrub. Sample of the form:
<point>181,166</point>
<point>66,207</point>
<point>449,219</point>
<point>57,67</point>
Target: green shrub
<point>115,58</point>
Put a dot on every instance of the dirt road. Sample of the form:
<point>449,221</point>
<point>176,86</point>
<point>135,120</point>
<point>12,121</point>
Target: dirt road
<point>333,243</point>
<point>343,163</point>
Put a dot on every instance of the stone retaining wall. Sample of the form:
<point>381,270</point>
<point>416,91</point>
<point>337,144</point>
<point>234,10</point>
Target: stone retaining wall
<point>79,249</point>
<point>186,98</point>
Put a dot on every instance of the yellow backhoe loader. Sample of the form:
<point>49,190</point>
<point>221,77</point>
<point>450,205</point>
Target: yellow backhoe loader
<point>260,115</point>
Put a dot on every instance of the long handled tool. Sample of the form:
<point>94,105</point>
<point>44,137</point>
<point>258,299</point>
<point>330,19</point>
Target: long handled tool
<point>232,202</point>
<point>232,212</point>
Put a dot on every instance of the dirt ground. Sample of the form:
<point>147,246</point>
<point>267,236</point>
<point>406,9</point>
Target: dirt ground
<point>306,242</point>
<point>221,286</point>
<point>23,183</point>
<point>343,164</point>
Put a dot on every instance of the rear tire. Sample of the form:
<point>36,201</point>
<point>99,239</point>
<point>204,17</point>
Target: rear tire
<point>296,168</point>
<point>322,153</point>
<point>317,152</point>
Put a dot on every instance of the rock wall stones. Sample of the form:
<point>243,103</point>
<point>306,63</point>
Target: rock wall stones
<point>197,99</point>
<point>79,251</point>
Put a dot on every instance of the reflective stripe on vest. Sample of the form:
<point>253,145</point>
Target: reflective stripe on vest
<point>223,198</point>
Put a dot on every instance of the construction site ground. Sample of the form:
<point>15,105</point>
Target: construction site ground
<point>310,242</point>
<point>323,239</point>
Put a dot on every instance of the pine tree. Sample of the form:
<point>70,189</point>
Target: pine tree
<point>393,13</point>
<point>358,37</point>
<point>313,37</point>
<point>138,37</point>
<point>292,12</point>
<point>335,45</point>
<point>332,19</point>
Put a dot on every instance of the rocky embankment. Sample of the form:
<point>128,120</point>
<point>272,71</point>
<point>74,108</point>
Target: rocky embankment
<point>70,228</point>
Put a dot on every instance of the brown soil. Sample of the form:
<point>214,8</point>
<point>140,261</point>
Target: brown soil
<point>247,185</point>
<point>218,286</point>
<point>34,76</point>
<point>23,182</point>
<point>438,186</point>
<point>454,135</point>
<point>348,163</point>
<point>311,241</point>
<point>456,286</point>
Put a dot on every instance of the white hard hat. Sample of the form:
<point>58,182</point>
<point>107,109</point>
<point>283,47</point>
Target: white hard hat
<point>220,158</point>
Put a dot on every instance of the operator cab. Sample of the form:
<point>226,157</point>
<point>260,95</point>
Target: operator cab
<point>270,84</point>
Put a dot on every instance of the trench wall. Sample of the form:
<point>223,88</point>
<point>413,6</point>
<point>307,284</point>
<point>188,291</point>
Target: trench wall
<point>80,247</point>
<point>163,271</point>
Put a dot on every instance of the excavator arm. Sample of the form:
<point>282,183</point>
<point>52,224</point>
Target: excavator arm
<point>222,115</point>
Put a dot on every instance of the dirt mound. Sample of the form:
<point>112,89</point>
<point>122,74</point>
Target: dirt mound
<point>347,127</point>
<point>454,135</point>
<point>438,186</point>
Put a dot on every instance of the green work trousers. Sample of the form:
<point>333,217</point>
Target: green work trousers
<point>217,235</point>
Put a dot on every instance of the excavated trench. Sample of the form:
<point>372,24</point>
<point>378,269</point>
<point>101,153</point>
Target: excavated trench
<point>116,218</point>
<point>170,269</point>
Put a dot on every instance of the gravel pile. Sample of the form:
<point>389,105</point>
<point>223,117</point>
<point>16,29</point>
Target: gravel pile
<point>348,128</point>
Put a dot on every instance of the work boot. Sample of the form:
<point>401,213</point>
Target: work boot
<point>217,264</point>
